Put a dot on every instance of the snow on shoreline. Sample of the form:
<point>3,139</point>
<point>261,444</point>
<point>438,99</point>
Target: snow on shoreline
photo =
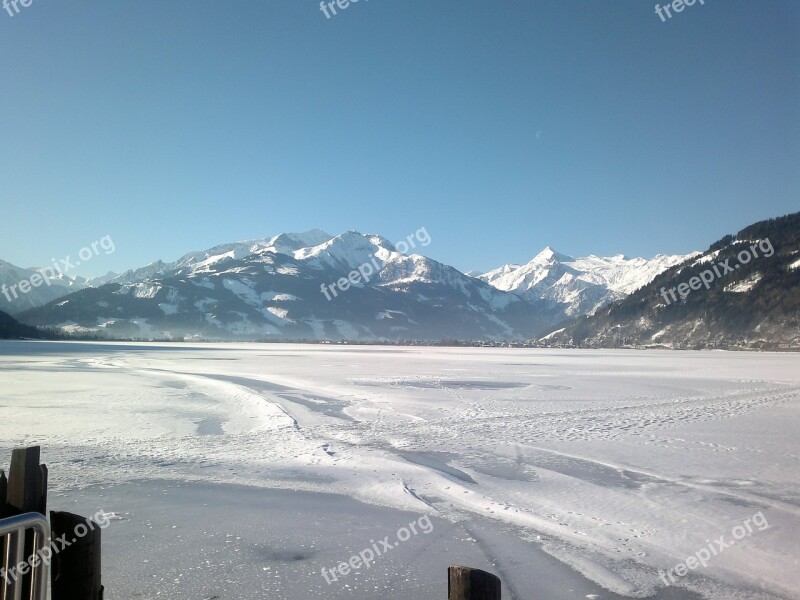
<point>620,462</point>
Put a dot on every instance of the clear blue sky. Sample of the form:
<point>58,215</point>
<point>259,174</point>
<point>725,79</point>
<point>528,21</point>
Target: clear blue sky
<point>501,127</point>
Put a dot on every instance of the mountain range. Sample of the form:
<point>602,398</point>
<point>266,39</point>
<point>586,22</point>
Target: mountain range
<point>743,292</point>
<point>273,288</point>
<point>11,275</point>
<point>578,286</point>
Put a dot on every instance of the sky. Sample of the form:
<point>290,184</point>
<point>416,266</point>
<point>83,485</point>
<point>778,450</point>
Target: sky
<point>590,126</point>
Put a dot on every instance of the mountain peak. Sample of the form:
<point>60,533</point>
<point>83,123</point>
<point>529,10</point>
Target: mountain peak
<point>549,254</point>
<point>755,305</point>
<point>577,285</point>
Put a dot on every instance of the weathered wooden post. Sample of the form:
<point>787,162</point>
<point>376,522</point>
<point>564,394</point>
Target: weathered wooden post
<point>26,492</point>
<point>466,583</point>
<point>76,569</point>
<point>27,481</point>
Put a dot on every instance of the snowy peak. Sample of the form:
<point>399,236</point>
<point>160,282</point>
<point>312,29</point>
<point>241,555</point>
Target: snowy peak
<point>352,250</point>
<point>284,243</point>
<point>578,285</point>
<point>14,301</point>
<point>549,256</point>
<point>287,243</point>
<point>346,251</point>
<point>132,275</point>
<point>491,276</point>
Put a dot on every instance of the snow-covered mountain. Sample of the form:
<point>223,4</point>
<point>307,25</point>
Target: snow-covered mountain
<point>273,288</point>
<point>285,243</point>
<point>578,286</point>
<point>13,301</point>
<point>743,292</point>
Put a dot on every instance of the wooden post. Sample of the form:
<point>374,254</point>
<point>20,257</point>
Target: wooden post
<point>465,583</point>
<point>26,493</point>
<point>75,571</point>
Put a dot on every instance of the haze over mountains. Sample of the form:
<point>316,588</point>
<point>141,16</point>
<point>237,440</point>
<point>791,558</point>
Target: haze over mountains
<point>271,289</point>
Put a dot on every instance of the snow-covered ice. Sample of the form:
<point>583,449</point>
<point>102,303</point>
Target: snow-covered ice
<point>617,463</point>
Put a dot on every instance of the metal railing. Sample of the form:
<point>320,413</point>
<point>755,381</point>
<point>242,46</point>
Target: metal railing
<point>13,530</point>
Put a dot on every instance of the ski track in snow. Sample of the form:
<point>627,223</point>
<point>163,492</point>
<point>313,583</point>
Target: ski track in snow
<point>617,463</point>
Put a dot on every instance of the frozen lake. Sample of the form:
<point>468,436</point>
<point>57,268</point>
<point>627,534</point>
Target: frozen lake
<point>246,469</point>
